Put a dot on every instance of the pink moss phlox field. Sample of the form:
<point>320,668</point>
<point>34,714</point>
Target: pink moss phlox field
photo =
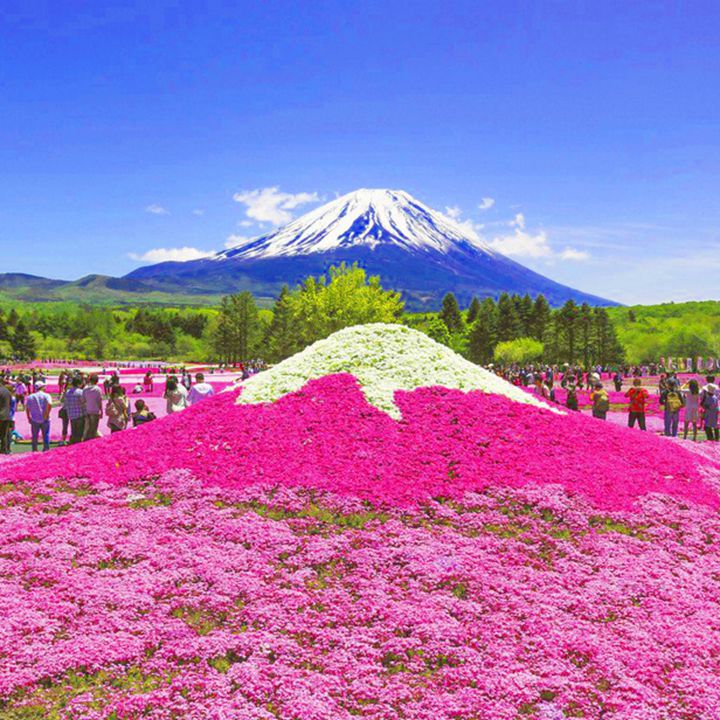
<point>328,437</point>
<point>174,599</point>
<point>315,559</point>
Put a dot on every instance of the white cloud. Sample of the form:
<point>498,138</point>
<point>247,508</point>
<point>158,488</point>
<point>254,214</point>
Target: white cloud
<point>572,254</point>
<point>523,244</point>
<point>271,205</point>
<point>486,204</point>
<point>233,241</point>
<point>198,211</point>
<point>454,212</point>
<point>158,255</point>
<point>246,223</point>
<point>156,210</point>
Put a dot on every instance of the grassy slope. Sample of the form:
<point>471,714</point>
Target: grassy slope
<point>678,329</point>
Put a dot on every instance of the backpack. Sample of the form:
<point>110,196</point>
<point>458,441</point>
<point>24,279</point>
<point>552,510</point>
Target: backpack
<point>602,403</point>
<point>673,401</point>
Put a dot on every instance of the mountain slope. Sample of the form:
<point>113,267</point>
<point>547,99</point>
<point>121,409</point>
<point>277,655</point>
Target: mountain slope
<point>413,248</point>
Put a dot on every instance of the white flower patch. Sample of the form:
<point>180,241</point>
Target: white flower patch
<point>384,358</point>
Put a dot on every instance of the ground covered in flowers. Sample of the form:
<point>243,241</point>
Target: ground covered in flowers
<point>318,559</point>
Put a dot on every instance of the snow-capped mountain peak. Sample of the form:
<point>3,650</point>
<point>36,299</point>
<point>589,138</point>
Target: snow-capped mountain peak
<point>366,217</point>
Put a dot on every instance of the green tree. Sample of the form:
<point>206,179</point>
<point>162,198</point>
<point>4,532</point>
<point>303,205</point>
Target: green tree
<point>521,351</point>
<point>472,311</point>
<point>508,323</point>
<point>321,307</point>
<point>450,313</point>
<point>438,331</point>
<point>587,349</point>
<point>281,340</point>
<point>483,333</point>
<point>525,315</point>
<point>23,343</point>
<point>566,332</point>
<point>608,349</point>
<point>540,321</point>
<point>239,329</point>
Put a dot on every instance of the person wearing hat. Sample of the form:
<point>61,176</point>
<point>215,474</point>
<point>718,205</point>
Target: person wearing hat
<point>37,408</point>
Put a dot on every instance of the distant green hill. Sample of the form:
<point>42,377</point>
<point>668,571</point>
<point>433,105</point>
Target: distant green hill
<point>649,332</point>
<point>94,290</point>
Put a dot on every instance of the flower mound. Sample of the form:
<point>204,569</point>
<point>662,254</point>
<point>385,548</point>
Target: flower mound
<point>316,558</point>
<point>384,358</point>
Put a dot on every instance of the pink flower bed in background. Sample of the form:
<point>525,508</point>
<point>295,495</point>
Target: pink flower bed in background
<point>315,559</point>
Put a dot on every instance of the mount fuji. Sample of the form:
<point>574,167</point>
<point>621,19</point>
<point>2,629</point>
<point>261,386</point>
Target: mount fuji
<point>413,248</point>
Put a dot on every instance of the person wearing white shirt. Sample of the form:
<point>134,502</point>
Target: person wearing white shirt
<point>176,396</point>
<point>200,390</point>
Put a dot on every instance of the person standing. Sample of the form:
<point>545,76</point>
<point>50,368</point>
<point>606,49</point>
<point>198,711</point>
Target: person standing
<point>710,411</point>
<point>600,401</point>
<point>176,396</point>
<point>117,409</point>
<point>638,401</point>
<point>571,400</point>
<point>672,401</point>
<point>37,409</point>
<point>200,390</point>
<point>617,380</point>
<point>20,391</point>
<point>93,401</point>
<point>692,408</point>
<point>75,408</point>
<point>6,399</point>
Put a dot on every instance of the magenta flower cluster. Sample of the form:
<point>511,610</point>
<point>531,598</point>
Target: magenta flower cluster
<point>327,437</point>
<point>315,559</point>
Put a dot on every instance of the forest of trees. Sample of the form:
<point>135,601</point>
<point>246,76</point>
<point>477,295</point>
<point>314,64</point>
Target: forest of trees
<point>512,328</point>
<point>312,311</point>
<point>523,329</point>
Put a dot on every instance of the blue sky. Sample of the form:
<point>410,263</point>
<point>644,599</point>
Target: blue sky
<point>594,128</point>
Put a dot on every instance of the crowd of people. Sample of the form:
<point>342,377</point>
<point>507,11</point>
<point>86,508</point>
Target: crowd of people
<point>700,405</point>
<point>84,402</point>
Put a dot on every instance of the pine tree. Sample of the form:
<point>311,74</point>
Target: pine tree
<point>483,333</point>
<point>525,313</point>
<point>607,346</point>
<point>4,331</point>
<point>508,323</point>
<point>540,322</point>
<point>239,329</point>
<point>566,331</point>
<point>472,311</point>
<point>585,335</point>
<point>23,343</point>
<point>281,340</point>
<point>450,313</point>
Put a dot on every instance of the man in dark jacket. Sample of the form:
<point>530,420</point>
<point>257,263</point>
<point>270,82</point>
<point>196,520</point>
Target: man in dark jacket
<point>5,419</point>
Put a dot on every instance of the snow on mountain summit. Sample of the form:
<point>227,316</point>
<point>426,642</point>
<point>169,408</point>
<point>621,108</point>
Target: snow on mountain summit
<point>365,217</point>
